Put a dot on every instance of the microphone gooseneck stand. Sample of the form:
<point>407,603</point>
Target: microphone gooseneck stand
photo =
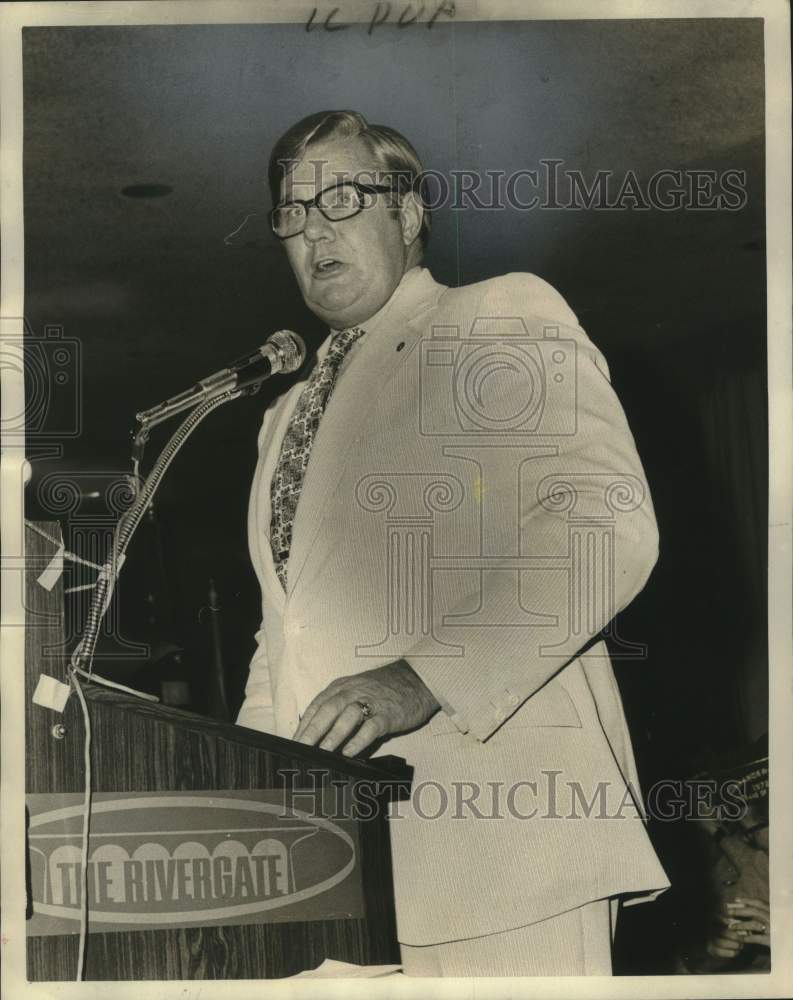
<point>284,352</point>
<point>127,524</point>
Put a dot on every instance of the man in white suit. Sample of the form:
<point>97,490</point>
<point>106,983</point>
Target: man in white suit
<point>437,577</point>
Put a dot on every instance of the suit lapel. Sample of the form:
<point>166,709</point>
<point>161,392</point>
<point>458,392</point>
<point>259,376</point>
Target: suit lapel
<point>346,418</point>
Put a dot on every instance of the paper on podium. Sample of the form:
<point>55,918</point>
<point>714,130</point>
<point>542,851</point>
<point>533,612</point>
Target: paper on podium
<point>331,969</point>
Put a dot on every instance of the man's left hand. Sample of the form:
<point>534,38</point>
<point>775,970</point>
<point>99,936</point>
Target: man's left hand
<point>395,695</point>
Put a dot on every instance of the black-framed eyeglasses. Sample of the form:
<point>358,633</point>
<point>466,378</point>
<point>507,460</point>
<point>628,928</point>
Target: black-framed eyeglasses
<point>335,203</point>
<point>748,834</point>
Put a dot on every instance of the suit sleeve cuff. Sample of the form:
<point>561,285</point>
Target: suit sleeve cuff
<point>493,708</point>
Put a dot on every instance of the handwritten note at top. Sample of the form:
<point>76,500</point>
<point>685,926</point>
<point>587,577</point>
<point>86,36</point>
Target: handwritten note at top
<point>399,15</point>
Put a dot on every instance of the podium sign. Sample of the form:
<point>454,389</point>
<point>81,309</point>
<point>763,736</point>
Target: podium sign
<point>199,858</point>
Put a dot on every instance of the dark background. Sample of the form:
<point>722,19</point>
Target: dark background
<point>152,293</point>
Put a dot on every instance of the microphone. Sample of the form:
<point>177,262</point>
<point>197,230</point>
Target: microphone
<point>283,352</point>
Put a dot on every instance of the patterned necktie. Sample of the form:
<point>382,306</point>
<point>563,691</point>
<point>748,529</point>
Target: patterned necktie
<point>290,471</point>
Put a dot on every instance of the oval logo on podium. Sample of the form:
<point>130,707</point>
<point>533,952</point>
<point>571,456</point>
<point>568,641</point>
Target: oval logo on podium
<point>189,858</point>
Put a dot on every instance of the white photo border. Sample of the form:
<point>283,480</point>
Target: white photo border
<point>776,14</point>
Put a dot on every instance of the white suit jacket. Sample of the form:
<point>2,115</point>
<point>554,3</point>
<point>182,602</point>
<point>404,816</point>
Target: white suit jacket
<point>474,503</point>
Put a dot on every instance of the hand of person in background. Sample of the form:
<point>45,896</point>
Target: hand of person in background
<point>747,921</point>
<point>726,944</point>
<point>754,916</point>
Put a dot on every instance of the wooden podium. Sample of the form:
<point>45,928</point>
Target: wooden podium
<point>215,852</point>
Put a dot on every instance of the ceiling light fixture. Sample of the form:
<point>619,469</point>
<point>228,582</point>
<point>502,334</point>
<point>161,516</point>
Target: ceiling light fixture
<point>146,190</point>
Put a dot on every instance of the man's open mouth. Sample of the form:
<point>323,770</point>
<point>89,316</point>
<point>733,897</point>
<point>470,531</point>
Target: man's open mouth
<point>327,266</point>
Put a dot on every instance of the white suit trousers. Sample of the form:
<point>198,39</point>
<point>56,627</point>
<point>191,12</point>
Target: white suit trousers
<point>575,943</point>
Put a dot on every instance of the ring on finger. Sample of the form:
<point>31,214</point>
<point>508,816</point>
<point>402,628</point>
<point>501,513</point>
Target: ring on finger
<point>366,709</point>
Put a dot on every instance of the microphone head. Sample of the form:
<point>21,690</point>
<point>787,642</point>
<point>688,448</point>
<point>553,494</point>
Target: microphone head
<point>290,349</point>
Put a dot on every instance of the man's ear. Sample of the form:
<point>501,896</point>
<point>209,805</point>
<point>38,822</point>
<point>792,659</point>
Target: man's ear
<point>411,215</point>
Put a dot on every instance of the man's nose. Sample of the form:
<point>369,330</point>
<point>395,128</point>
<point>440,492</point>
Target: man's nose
<point>317,226</point>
